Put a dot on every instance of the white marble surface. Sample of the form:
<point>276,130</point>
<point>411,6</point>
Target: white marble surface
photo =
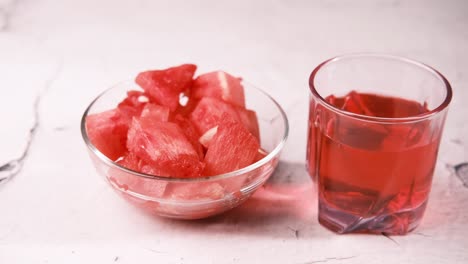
<point>60,54</point>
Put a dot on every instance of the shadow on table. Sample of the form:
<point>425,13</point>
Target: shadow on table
<point>286,207</point>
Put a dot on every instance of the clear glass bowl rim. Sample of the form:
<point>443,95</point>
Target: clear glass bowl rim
<point>244,170</point>
<point>409,119</point>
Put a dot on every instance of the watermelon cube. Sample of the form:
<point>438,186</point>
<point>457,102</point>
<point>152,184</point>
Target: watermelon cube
<point>108,132</point>
<point>337,102</point>
<point>232,148</point>
<point>165,148</point>
<point>209,112</point>
<point>165,86</point>
<point>131,161</point>
<point>133,104</point>
<point>145,186</point>
<point>154,113</point>
<point>219,85</point>
<point>250,121</point>
<point>191,132</point>
<point>354,104</point>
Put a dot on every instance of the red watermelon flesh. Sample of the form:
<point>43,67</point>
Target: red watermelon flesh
<point>219,85</point>
<point>164,146</point>
<point>154,113</point>
<point>131,161</point>
<point>145,186</point>
<point>163,130</point>
<point>353,103</point>
<point>232,148</point>
<point>164,86</point>
<point>133,104</point>
<point>191,132</point>
<point>249,119</point>
<point>208,113</point>
<point>108,132</point>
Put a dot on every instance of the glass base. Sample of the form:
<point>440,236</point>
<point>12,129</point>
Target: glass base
<point>395,223</point>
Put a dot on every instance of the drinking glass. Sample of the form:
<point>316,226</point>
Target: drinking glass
<point>374,172</point>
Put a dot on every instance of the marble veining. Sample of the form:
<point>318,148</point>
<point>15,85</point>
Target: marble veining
<point>6,12</point>
<point>457,141</point>
<point>461,170</point>
<point>13,167</point>
<point>390,238</point>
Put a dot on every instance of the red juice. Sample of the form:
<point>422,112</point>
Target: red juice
<point>372,176</point>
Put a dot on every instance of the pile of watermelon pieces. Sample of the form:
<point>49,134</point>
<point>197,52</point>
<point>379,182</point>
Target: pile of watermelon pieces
<point>179,126</point>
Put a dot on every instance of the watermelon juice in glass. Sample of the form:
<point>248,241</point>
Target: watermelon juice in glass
<point>375,124</point>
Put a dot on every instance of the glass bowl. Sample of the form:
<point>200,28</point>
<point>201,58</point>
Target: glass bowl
<point>193,198</point>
